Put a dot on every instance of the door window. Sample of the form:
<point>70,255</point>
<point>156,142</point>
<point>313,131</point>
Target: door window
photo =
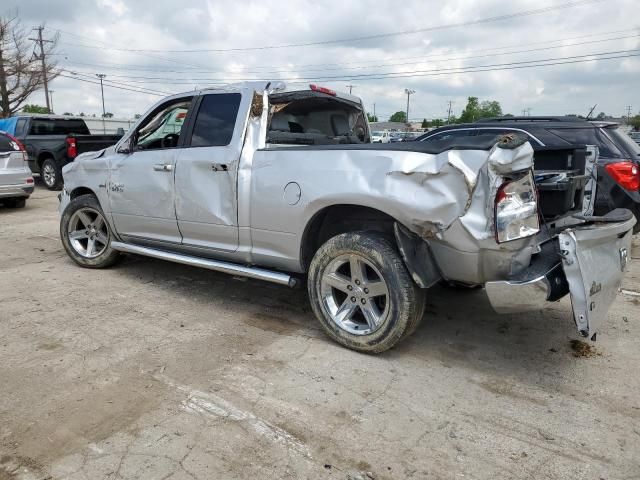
<point>163,128</point>
<point>216,120</point>
<point>450,134</point>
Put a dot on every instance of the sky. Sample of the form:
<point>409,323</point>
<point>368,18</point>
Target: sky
<point>380,48</point>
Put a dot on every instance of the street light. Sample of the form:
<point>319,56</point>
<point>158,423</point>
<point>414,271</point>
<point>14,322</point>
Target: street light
<point>409,93</point>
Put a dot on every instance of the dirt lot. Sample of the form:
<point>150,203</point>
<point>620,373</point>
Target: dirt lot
<point>152,370</point>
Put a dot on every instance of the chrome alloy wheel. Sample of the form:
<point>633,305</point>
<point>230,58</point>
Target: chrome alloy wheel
<point>49,175</point>
<point>88,233</point>
<point>354,294</point>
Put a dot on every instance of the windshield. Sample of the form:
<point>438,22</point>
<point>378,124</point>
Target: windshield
<point>377,134</point>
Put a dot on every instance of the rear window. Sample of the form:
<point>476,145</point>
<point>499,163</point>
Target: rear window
<point>588,136</point>
<point>57,126</point>
<point>624,141</point>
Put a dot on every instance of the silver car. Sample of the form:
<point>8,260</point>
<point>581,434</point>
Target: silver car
<point>16,181</point>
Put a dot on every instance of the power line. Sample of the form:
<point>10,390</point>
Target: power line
<point>107,85</point>
<point>510,16</point>
<point>388,65</point>
<point>419,73</point>
<point>298,66</point>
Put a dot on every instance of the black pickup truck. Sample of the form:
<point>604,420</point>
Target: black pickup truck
<point>53,141</point>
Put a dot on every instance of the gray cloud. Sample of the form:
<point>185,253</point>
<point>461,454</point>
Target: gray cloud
<point>169,25</point>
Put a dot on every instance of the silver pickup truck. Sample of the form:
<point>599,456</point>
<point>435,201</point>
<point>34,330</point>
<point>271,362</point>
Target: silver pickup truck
<point>259,181</point>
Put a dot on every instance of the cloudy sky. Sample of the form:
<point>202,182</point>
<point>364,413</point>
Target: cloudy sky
<point>157,47</point>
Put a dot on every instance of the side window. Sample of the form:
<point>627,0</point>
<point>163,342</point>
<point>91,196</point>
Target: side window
<point>163,127</point>
<point>20,124</point>
<point>450,134</point>
<point>216,120</point>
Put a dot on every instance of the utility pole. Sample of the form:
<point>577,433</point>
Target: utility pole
<point>628,113</point>
<point>350,87</point>
<point>449,112</point>
<point>41,43</point>
<point>101,77</point>
<point>409,93</point>
<point>374,110</point>
<point>51,92</point>
<point>526,112</point>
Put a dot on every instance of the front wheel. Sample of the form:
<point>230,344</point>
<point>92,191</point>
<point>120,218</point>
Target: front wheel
<point>86,235</point>
<point>51,174</point>
<point>362,293</point>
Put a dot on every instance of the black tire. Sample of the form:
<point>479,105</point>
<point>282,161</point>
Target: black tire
<point>108,256</point>
<point>15,202</point>
<point>51,174</point>
<point>406,301</point>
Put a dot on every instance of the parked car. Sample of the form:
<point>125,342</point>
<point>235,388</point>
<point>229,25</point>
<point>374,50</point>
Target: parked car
<point>53,141</point>
<point>635,136</point>
<point>274,184</point>
<point>381,136</point>
<point>618,170</point>
<point>16,181</point>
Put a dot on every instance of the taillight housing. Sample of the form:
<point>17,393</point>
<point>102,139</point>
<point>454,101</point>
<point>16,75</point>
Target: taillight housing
<point>72,150</point>
<point>516,209</point>
<point>17,144</point>
<point>626,174</point>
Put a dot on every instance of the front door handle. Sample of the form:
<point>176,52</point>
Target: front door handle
<point>161,167</point>
<point>219,167</point>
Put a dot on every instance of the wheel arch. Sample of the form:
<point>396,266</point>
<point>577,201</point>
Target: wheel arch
<point>341,218</point>
<point>42,156</point>
<point>76,192</point>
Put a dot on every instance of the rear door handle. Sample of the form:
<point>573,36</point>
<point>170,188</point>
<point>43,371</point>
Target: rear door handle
<point>161,167</point>
<point>219,167</point>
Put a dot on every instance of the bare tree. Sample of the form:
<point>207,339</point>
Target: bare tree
<point>21,66</point>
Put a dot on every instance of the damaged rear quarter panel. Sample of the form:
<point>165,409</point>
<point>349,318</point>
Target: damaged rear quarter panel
<point>427,193</point>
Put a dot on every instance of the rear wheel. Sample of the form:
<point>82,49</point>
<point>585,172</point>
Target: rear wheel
<point>362,293</point>
<point>51,174</point>
<point>86,235</point>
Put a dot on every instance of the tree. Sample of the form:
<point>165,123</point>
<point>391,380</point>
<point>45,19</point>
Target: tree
<point>490,108</point>
<point>33,108</point>
<point>108,115</point>
<point>476,110</point>
<point>635,122</point>
<point>425,123</point>
<point>370,117</point>
<point>399,117</point>
<point>471,112</point>
<point>437,122</point>
<point>81,114</point>
<point>601,116</point>
<point>137,116</point>
<point>67,114</point>
<point>20,69</point>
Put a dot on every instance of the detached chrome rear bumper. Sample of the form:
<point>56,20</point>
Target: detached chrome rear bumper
<point>529,292</point>
<point>588,261</point>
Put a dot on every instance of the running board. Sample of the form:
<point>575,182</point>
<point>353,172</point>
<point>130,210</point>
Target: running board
<point>218,266</point>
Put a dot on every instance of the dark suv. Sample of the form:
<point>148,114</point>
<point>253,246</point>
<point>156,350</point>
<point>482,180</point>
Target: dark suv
<point>618,163</point>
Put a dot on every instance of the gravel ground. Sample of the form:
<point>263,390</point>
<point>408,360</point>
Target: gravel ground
<point>152,370</point>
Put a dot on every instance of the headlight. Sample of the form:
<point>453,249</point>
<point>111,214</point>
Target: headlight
<point>516,209</point>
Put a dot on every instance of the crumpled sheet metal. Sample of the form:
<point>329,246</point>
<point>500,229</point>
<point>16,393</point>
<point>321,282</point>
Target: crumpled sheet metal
<point>455,185</point>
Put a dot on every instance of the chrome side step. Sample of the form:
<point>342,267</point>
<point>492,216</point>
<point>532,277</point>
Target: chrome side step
<point>226,267</point>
